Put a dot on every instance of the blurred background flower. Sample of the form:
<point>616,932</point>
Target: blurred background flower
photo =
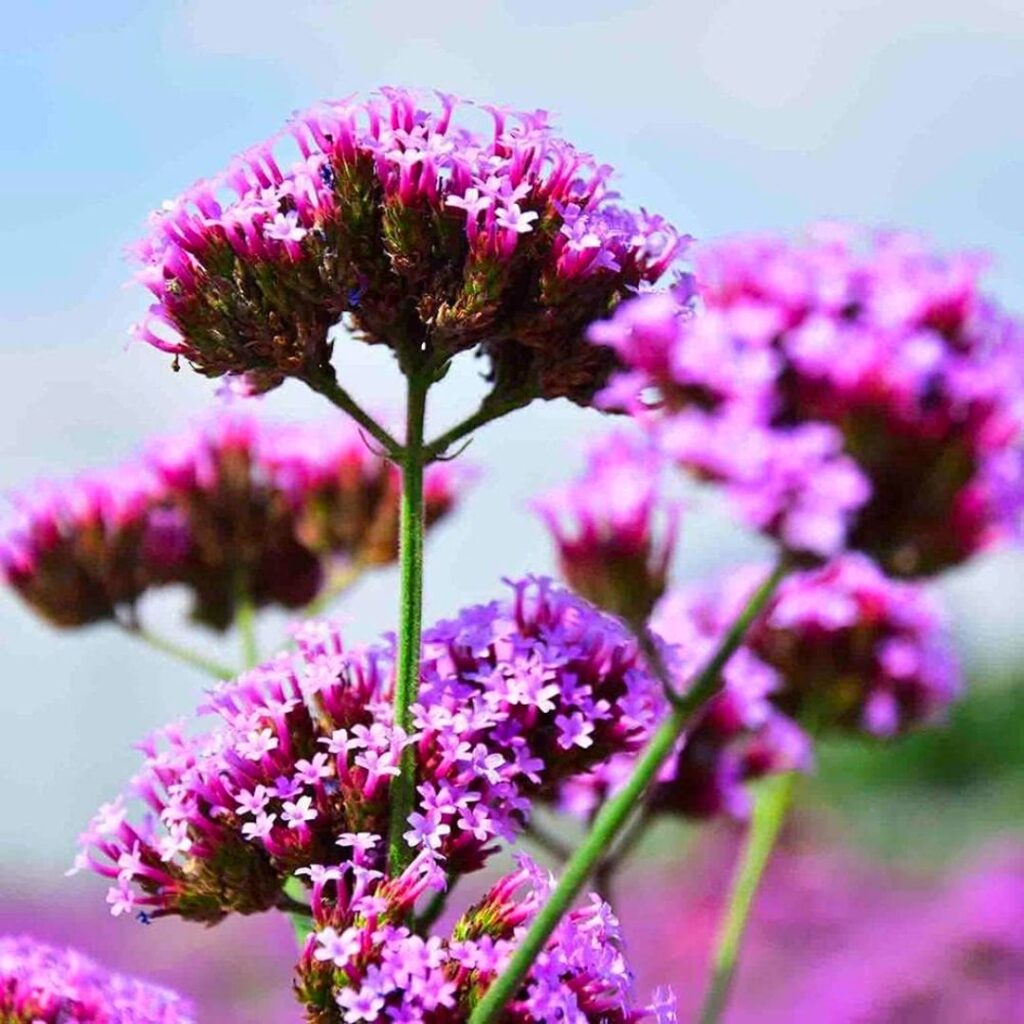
<point>719,116</point>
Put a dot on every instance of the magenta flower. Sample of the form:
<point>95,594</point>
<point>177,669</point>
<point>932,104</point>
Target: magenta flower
<point>514,698</point>
<point>362,963</point>
<point>431,230</point>
<point>40,984</point>
<point>841,645</point>
<point>604,527</point>
<point>739,736</point>
<point>850,647</point>
<point>848,388</point>
<point>232,496</point>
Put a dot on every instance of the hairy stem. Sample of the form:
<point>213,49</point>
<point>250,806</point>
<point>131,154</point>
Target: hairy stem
<point>487,413</point>
<point>181,653</point>
<point>770,808</point>
<point>617,810</point>
<point>327,386</point>
<point>403,787</point>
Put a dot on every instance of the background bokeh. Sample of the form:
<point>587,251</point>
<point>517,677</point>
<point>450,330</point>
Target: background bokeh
<point>725,115</point>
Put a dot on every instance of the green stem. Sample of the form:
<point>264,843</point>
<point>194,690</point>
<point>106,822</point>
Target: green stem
<point>487,413</point>
<point>181,653</point>
<point>616,811</point>
<point>327,386</point>
<point>604,874</point>
<point>292,903</point>
<point>772,802</point>
<point>431,912</point>
<point>245,620</point>
<point>337,584</point>
<point>410,554</point>
<point>544,840</point>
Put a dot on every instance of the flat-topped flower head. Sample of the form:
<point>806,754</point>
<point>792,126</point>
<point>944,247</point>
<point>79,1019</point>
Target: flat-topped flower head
<point>514,697</point>
<point>429,224</point>
<point>611,548</point>
<point>362,964</point>
<point>41,984</point>
<point>232,498</point>
<point>895,348</point>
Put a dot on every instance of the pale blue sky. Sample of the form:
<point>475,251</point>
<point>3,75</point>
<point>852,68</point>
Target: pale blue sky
<point>726,116</point>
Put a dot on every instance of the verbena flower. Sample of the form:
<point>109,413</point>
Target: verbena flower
<point>233,499</point>
<point>839,647</point>
<point>76,551</point>
<point>737,737</point>
<point>851,648</point>
<point>603,525</point>
<point>362,963</point>
<point>514,697</point>
<point>431,230</point>
<point>844,384</point>
<point>41,984</point>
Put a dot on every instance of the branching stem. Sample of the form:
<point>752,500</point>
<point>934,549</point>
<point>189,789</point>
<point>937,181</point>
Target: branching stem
<point>617,810</point>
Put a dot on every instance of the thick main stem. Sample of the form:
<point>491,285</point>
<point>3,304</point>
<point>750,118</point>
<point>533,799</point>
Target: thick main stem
<point>410,554</point>
<point>770,809</point>
<point>617,810</point>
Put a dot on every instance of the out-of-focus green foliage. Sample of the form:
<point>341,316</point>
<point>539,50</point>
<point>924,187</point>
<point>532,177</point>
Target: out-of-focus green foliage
<point>930,796</point>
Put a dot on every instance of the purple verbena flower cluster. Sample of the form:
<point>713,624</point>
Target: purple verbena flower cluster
<point>40,984</point>
<point>364,964</point>
<point>514,698</point>
<point>841,646</point>
<point>848,388</point>
<point>428,235</point>
<point>603,525</point>
<point>739,736</point>
<point>853,647</point>
<point>232,497</point>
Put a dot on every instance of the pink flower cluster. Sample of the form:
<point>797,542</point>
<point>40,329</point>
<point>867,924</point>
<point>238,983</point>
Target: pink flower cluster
<point>429,234</point>
<point>852,647</point>
<point>603,525</point>
<point>363,964</point>
<point>847,388</point>
<point>841,646</point>
<point>514,698</point>
<point>232,497</point>
<point>40,984</point>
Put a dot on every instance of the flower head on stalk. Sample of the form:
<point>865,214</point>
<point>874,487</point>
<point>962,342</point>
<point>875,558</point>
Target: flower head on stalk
<point>841,646</point>
<point>362,963</point>
<point>514,697</point>
<point>40,984</point>
<point>908,376</point>
<point>431,224</point>
<point>603,525</point>
<point>739,736</point>
<point>76,551</point>
<point>853,648</point>
<point>233,496</point>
